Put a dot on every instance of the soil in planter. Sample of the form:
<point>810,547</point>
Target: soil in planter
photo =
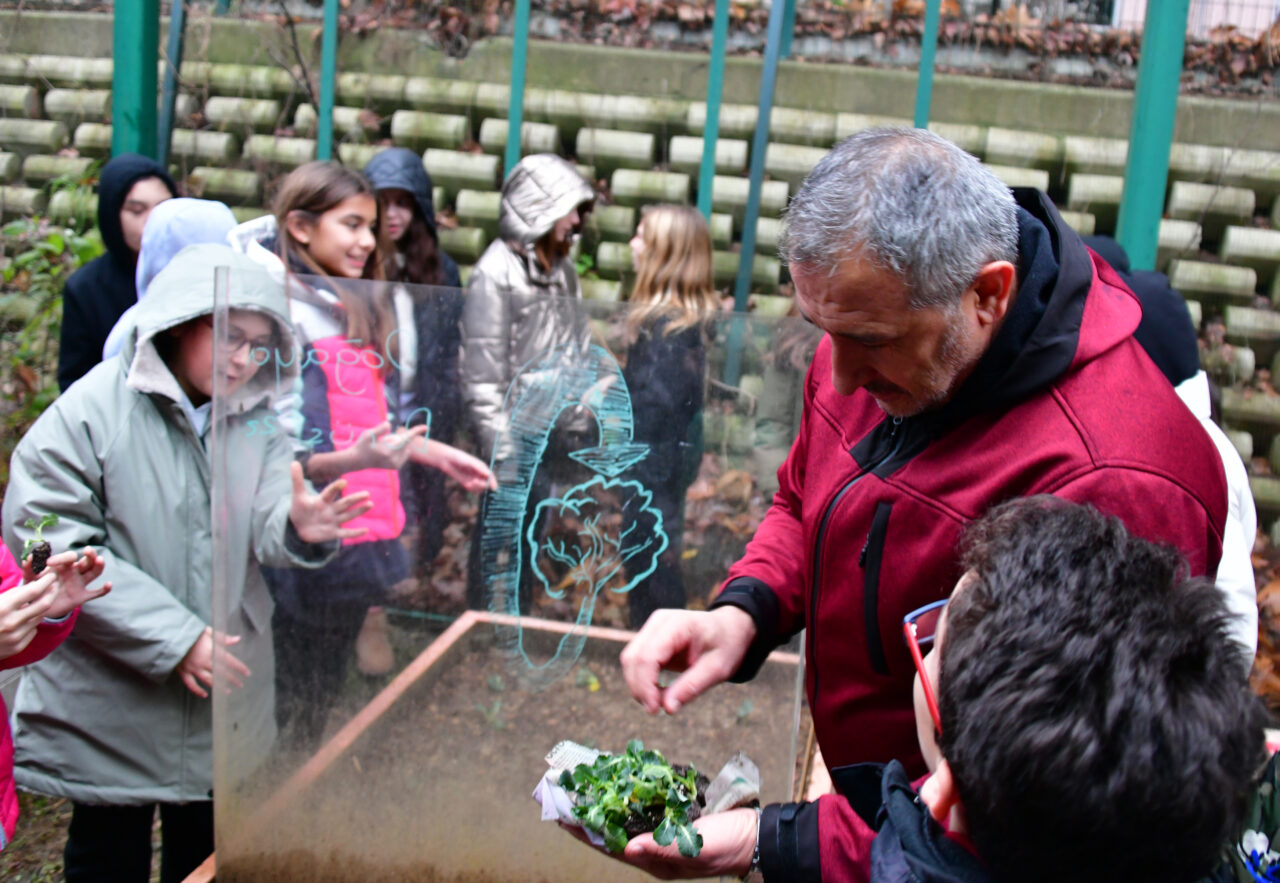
<point>440,788</point>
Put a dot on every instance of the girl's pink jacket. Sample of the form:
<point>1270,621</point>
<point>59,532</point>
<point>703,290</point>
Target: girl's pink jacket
<point>48,636</point>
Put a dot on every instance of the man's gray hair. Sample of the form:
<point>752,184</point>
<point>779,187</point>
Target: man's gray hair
<point>912,202</point>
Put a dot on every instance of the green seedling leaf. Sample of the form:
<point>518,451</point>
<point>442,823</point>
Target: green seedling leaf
<point>688,841</point>
<point>496,684</point>
<point>665,833</point>
<point>615,838</point>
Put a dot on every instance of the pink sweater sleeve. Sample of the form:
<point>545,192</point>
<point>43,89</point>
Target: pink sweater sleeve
<point>48,634</point>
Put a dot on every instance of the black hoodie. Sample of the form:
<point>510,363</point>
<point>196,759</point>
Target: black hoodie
<point>98,293</point>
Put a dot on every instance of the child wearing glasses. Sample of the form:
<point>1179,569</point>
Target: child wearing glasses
<point>118,719</point>
<point>1083,712</point>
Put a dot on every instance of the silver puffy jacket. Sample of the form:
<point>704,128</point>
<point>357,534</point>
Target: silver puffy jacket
<point>514,309</point>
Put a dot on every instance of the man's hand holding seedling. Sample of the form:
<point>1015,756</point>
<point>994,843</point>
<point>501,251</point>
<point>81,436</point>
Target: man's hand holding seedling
<point>728,843</point>
<point>62,586</point>
<point>318,517</point>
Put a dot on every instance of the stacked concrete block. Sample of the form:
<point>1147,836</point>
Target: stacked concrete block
<point>971,139</point>
<point>637,188</point>
<point>1258,329</point>
<point>729,195</point>
<point>851,123</point>
<point>1023,149</point>
<point>1214,207</point>
<point>1242,442</point>
<point>736,120</point>
<point>232,186</point>
<point>494,100</point>
<point>1015,176</point>
<point>454,170</point>
<point>37,169</point>
<point>612,222</point>
<point>15,202</point>
<point>92,139</point>
<point>1252,247</point>
<point>357,156</point>
<point>13,69</point>
<point>464,244</point>
<point>1082,222</point>
<point>349,123</point>
<point>241,114</point>
<point>1083,154</point>
<point>601,290</point>
<point>418,130</point>
<point>278,153</point>
<point>609,150</point>
<point>1197,162</point>
<point>10,167</point>
<point>1214,285</point>
<point>382,91</point>
<point>75,106</point>
<point>765,271</point>
<point>243,213</point>
<point>571,111</point>
<point>73,206</point>
<point>1256,170</point>
<point>479,208</point>
<point>203,147</point>
<point>1250,411</point>
<point>721,230</point>
<point>787,125</point>
<point>243,81</point>
<point>791,162</point>
<point>20,101</point>
<point>1176,239</point>
<point>684,154</point>
<point>32,136</point>
<point>768,306</point>
<point>441,96</point>
<point>534,137</point>
<point>613,260</point>
<point>70,72</point>
<point>1097,194</point>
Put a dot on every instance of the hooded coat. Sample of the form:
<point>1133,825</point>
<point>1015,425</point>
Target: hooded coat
<point>172,226</point>
<point>104,719</point>
<point>97,294</point>
<point>515,309</point>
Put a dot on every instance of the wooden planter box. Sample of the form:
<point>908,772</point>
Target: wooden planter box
<point>432,780</point>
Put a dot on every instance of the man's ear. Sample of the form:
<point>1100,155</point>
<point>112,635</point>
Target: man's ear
<point>299,227</point>
<point>994,289</point>
<point>939,793</point>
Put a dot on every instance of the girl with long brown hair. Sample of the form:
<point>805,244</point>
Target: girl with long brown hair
<point>324,238</point>
<point>674,300</point>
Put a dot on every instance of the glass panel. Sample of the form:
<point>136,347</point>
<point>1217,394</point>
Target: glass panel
<point>623,483</point>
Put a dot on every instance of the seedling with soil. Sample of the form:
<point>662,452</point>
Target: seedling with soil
<point>36,547</point>
<point>623,795</point>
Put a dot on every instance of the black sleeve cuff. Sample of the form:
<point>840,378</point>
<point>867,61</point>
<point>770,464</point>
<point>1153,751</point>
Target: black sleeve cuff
<point>789,843</point>
<point>761,604</point>
<point>301,549</point>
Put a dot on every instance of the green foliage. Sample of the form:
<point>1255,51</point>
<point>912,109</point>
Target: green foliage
<point>38,525</point>
<point>492,714</point>
<point>585,265</point>
<point>618,787</point>
<point>36,257</point>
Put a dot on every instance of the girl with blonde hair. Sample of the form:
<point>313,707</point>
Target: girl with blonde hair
<point>674,300</point>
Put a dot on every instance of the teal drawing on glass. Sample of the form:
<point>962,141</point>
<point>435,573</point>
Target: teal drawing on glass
<point>562,378</point>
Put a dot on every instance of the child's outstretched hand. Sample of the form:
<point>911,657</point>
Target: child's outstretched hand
<point>72,576</point>
<point>318,517</point>
<point>22,608</point>
<point>196,667</point>
<point>463,468</point>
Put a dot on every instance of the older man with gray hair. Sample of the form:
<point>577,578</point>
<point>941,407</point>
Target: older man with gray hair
<point>975,351</point>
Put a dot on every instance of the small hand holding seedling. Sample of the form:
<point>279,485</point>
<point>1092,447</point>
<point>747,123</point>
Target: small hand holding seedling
<point>56,592</point>
<point>36,548</point>
<point>196,667</point>
<point>318,517</point>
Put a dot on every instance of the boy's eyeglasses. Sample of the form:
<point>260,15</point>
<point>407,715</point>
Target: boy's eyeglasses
<point>919,627</point>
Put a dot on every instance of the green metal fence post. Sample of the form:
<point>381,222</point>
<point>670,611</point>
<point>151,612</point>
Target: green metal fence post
<point>515,103</point>
<point>1155,107</point>
<point>136,41</point>
<point>328,81</point>
<point>928,49</point>
<point>177,30</point>
<point>715,89</point>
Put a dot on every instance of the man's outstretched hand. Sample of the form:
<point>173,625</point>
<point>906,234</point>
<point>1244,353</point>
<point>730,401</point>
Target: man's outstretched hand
<point>708,646</point>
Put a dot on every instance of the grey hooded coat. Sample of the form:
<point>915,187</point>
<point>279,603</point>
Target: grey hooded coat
<point>515,310</point>
<point>104,719</point>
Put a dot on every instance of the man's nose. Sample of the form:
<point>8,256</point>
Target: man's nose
<point>849,369</point>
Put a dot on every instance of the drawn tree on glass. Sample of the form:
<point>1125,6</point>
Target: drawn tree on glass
<point>619,536</point>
